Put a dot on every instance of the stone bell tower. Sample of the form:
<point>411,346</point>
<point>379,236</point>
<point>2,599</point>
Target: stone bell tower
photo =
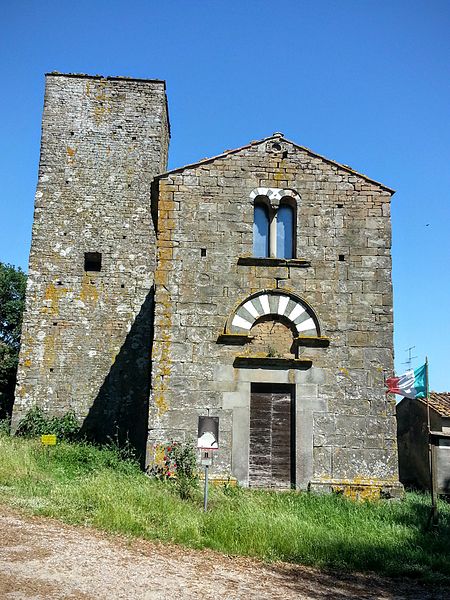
<point>88,323</point>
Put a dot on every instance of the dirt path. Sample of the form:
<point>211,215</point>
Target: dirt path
<point>41,558</point>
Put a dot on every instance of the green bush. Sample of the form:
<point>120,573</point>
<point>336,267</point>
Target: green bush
<point>65,427</point>
<point>36,423</point>
<point>177,463</point>
<point>5,427</point>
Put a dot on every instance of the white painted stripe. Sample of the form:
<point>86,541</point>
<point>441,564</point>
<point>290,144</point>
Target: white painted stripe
<point>272,193</point>
<point>282,303</point>
<point>275,194</point>
<point>240,322</point>
<point>296,312</point>
<point>258,192</point>
<point>306,325</point>
<point>250,307</point>
<point>265,303</point>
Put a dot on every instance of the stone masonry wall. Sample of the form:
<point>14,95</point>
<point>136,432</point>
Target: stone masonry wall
<point>87,335</point>
<point>346,423</point>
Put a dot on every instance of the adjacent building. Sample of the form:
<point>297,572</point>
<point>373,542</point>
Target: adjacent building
<point>413,441</point>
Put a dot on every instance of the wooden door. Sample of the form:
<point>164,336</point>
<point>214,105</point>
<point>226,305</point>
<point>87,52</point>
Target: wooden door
<point>271,436</point>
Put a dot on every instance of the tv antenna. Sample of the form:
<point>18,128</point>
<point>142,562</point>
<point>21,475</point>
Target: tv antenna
<point>410,357</point>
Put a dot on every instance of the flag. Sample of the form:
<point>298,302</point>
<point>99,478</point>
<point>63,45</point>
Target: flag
<point>410,385</point>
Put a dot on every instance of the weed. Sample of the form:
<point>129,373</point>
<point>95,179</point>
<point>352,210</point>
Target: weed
<point>231,487</point>
<point>5,427</point>
<point>272,352</point>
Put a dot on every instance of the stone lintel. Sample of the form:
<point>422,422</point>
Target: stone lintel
<point>234,339</point>
<point>252,261</point>
<point>269,362</point>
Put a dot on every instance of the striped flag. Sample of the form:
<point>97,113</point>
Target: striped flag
<point>410,385</point>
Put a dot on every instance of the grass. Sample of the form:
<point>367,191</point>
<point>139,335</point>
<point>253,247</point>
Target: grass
<point>80,484</point>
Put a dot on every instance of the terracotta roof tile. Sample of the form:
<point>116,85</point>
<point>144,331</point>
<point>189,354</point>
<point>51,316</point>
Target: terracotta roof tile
<point>440,402</point>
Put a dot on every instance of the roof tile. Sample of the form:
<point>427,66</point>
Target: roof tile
<point>439,401</point>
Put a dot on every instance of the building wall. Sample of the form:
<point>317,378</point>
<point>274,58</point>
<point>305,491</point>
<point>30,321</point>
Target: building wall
<point>87,335</point>
<point>346,425</point>
<point>443,460</point>
<point>412,435</point>
<point>413,448</point>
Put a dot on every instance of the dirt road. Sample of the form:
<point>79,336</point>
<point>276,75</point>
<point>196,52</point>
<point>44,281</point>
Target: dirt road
<point>41,558</point>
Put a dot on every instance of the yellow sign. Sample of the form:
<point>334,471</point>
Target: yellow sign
<point>48,440</point>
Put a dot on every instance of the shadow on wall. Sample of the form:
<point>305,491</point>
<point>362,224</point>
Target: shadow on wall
<point>119,414</point>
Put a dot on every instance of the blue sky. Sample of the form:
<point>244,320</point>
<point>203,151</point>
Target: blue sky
<point>364,82</point>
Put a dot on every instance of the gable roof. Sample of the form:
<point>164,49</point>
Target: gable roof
<point>278,137</point>
<point>439,401</point>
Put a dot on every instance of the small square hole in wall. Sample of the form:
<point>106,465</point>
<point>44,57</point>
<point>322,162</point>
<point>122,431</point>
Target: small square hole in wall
<point>55,323</point>
<point>122,285</point>
<point>339,206</point>
<point>341,257</point>
<point>203,252</point>
<point>51,370</point>
<point>92,261</point>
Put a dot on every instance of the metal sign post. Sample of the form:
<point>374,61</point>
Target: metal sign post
<point>205,494</point>
<point>206,462</point>
<point>207,442</point>
<point>47,441</point>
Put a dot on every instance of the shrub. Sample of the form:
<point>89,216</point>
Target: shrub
<point>33,424</point>
<point>5,427</point>
<point>65,427</point>
<point>36,423</point>
<point>177,462</point>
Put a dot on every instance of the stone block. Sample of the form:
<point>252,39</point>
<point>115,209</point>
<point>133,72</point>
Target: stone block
<point>322,457</point>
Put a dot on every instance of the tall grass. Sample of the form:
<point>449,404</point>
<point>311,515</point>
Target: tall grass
<point>81,484</point>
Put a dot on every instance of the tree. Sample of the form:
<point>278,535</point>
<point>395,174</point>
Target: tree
<point>12,299</point>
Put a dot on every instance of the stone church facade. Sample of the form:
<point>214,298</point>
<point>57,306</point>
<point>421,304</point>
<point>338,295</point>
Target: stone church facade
<point>254,286</point>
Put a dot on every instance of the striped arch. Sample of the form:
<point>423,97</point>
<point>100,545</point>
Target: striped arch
<point>273,193</point>
<point>277,303</point>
